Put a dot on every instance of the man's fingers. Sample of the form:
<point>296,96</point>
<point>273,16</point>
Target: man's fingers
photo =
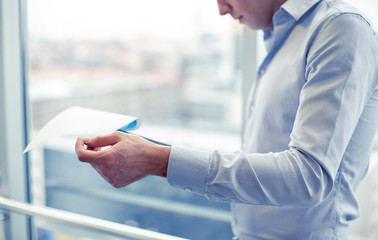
<point>87,155</point>
<point>102,141</point>
<point>89,149</point>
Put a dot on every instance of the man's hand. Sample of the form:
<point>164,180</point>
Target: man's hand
<point>126,158</point>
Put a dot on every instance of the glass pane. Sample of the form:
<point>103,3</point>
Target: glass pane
<point>54,231</point>
<point>173,63</point>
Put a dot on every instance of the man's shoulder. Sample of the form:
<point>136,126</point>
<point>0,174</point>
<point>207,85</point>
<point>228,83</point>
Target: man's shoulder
<point>340,7</point>
<point>341,13</point>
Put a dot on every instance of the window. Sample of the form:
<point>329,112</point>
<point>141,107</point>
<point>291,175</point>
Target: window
<point>173,63</point>
<point>86,50</point>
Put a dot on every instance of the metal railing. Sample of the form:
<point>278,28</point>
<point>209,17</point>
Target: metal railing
<point>83,221</point>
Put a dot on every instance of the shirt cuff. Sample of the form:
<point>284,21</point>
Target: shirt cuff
<point>188,169</point>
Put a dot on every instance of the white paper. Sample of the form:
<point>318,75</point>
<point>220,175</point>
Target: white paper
<point>83,122</point>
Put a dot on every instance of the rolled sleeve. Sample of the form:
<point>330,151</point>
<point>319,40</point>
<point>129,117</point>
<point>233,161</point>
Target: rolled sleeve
<point>188,169</point>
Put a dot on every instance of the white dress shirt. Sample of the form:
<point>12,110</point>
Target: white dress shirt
<point>312,115</point>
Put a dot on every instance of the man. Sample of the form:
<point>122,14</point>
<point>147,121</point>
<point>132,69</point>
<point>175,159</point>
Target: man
<point>312,115</point>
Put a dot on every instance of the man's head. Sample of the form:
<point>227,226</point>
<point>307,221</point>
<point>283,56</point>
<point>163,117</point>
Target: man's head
<point>257,14</point>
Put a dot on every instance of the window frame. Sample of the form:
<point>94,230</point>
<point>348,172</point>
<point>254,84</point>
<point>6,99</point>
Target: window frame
<point>14,178</point>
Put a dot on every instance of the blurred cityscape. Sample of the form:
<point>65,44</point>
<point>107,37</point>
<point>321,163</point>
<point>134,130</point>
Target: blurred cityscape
<point>161,81</point>
<point>185,88</point>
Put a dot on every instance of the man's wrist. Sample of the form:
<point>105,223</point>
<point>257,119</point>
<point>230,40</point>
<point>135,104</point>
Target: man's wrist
<point>161,158</point>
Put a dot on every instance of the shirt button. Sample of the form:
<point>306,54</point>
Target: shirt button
<point>188,189</point>
<point>262,71</point>
<point>252,108</point>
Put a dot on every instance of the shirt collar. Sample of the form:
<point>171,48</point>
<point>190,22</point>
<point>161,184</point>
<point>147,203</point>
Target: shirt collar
<point>290,10</point>
<point>297,8</point>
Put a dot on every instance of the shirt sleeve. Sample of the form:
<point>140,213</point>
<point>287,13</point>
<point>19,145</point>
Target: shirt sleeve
<point>188,168</point>
<point>338,86</point>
